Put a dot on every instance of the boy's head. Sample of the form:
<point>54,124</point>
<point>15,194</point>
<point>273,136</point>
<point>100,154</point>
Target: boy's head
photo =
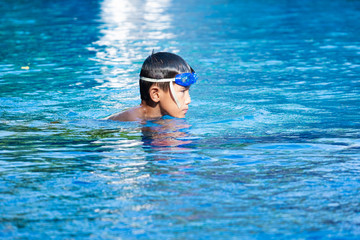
<point>162,69</point>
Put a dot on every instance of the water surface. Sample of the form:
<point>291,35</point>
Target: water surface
<point>269,148</point>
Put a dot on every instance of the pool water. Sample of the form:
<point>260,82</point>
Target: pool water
<point>270,147</point>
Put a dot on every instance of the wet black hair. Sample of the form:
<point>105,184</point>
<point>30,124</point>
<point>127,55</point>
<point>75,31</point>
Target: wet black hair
<point>161,65</point>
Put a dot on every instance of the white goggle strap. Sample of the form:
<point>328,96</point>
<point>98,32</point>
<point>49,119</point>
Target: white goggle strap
<point>157,80</point>
<point>174,95</point>
<point>170,80</point>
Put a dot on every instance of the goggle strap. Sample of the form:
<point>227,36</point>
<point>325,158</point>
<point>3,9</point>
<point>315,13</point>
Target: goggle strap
<point>174,95</point>
<point>157,80</point>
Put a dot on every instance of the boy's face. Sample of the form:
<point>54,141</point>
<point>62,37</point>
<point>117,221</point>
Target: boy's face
<point>168,104</point>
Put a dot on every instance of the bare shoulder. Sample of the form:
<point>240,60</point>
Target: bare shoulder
<point>132,114</point>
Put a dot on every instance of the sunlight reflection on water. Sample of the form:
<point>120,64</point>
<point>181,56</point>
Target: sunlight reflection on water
<point>129,32</point>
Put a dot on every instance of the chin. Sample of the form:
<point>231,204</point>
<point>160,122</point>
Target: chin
<point>180,116</point>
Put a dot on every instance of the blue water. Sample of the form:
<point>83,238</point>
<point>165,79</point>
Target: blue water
<point>269,148</point>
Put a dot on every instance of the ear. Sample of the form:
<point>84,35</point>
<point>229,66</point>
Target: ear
<point>154,93</point>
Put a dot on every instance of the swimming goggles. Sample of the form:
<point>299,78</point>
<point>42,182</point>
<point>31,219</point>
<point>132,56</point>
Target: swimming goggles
<point>183,79</point>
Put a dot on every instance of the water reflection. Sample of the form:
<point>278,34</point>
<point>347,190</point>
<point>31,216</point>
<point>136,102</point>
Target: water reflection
<point>158,140</point>
<point>166,133</point>
<point>135,142</point>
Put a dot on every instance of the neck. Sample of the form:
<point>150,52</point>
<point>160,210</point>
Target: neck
<point>150,111</point>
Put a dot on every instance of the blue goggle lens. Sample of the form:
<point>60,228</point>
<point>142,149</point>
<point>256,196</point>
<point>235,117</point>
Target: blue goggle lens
<point>186,79</point>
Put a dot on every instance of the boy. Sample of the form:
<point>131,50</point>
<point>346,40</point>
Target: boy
<point>165,79</point>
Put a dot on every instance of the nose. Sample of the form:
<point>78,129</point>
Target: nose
<point>188,98</point>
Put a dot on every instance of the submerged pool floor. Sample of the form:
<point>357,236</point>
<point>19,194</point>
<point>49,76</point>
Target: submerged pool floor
<point>269,149</point>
